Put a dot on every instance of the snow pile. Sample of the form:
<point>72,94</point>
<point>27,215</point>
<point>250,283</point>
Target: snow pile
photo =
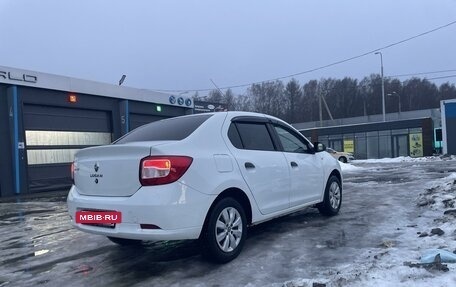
<point>346,167</point>
<point>440,194</point>
<point>438,219</point>
<point>396,266</point>
<point>400,159</point>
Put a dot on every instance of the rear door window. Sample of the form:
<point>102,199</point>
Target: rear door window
<point>234,136</point>
<point>254,136</point>
<point>170,129</point>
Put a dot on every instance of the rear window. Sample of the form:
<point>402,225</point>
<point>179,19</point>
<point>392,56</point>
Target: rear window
<point>170,129</point>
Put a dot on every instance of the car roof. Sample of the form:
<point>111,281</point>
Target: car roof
<point>234,114</point>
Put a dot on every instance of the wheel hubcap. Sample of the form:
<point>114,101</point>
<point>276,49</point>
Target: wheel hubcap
<point>228,229</point>
<point>334,195</point>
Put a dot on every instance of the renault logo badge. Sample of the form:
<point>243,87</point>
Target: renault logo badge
<point>96,167</point>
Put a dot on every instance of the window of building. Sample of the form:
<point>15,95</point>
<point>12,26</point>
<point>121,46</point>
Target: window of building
<point>415,130</point>
<point>372,144</point>
<point>323,140</point>
<point>360,146</point>
<point>400,145</point>
<point>336,142</point>
<point>50,156</point>
<point>51,147</point>
<point>384,144</point>
<point>55,138</point>
<point>399,132</point>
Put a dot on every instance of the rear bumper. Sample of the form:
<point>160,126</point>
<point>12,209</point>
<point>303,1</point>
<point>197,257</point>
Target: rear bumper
<point>177,209</point>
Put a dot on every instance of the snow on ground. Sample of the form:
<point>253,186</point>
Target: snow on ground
<point>352,166</point>
<point>388,214</point>
<point>434,227</point>
<point>440,194</point>
<point>394,272</point>
<point>346,167</point>
<point>397,159</point>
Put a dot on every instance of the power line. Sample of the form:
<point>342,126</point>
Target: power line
<point>421,73</point>
<point>379,84</point>
<point>444,77</point>
<point>320,67</point>
<point>390,77</point>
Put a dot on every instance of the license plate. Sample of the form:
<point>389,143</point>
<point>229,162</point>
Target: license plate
<point>98,217</point>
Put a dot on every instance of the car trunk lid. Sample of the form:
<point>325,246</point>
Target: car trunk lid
<point>111,170</point>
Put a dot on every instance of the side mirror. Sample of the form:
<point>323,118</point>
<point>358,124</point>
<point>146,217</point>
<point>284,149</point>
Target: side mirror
<point>319,147</point>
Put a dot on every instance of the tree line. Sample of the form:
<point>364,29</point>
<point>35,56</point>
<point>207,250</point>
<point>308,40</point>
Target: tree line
<point>345,97</point>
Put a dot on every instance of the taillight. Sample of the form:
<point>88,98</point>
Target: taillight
<point>72,171</point>
<point>156,170</point>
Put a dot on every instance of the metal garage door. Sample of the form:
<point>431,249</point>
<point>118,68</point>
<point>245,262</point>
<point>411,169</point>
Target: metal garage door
<point>52,137</point>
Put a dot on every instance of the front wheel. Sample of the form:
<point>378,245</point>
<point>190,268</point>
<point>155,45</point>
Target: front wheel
<point>225,233</point>
<point>332,199</point>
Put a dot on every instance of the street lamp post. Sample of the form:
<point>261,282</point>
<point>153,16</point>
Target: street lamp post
<point>383,85</point>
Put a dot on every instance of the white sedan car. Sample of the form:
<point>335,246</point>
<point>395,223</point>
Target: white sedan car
<point>206,176</point>
<point>340,155</point>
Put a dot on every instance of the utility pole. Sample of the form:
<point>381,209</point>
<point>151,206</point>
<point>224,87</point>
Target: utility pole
<point>383,85</point>
<point>327,108</point>
<point>320,109</point>
<point>320,100</point>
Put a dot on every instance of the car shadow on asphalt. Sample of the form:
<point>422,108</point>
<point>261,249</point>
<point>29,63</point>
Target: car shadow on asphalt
<point>152,259</point>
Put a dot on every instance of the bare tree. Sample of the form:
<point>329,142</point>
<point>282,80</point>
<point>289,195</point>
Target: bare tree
<point>293,95</point>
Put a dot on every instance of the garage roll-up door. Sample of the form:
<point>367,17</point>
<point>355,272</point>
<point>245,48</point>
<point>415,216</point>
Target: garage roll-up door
<point>52,137</point>
<point>65,119</point>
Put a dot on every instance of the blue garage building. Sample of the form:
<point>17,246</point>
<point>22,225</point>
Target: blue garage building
<point>45,119</point>
<point>448,110</point>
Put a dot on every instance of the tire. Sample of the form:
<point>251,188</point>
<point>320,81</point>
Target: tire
<point>332,200</point>
<point>124,242</point>
<point>343,159</point>
<point>225,231</point>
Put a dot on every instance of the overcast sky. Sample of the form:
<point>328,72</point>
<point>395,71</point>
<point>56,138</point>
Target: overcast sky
<point>181,45</point>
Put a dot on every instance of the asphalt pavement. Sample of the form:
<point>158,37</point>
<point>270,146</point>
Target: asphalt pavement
<point>39,247</point>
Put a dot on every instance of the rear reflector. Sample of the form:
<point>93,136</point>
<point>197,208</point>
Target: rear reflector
<point>156,170</point>
<point>149,226</point>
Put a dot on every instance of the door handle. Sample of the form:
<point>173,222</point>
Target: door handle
<point>294,164</point>
<point>249,165</point>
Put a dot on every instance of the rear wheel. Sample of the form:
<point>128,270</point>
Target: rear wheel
<point>225,232</point>
<point>124,242</point>
<point>332,199</point>
<point>343,159</point>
